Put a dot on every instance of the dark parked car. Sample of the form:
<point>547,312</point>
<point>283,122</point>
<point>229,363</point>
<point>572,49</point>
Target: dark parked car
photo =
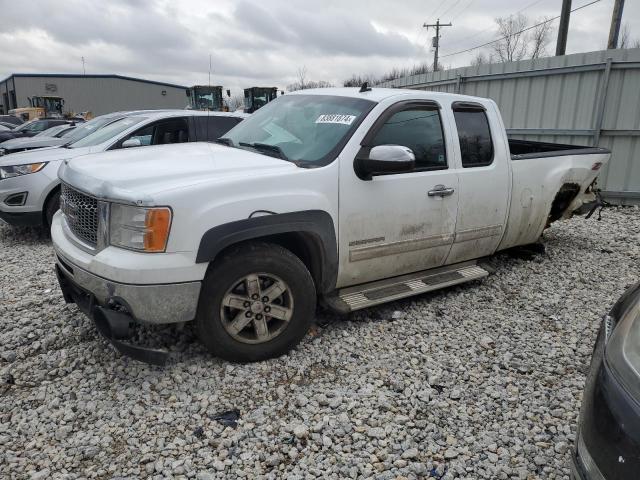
<point>58,135</point>
<point>31,128</point>
<point>12,119</point>
<point>608,439</point>
<point>8,126</point>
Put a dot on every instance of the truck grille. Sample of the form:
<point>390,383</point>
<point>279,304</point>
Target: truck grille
<point>81,214</point>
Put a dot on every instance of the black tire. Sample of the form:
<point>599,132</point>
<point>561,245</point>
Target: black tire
<point>51,207</point>
<point>248,259</point>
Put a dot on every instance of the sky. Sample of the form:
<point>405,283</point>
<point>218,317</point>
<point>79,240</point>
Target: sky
<point>267,42</point>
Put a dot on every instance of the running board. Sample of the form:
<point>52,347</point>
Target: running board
<point>382,291</point>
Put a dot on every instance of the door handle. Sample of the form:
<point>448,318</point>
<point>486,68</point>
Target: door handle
<point>440,191</point>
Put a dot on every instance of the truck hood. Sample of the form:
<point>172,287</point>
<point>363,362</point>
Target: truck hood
<point>32,142</point>
<point>43,155</point>
<point>135,175</point>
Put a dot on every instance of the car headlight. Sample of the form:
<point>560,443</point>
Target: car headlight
<point>622,351</point>
<point>17,170</point>
<point>3,151</point>
<point>139,228</point>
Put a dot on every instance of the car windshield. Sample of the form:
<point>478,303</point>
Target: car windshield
<point>308,130</point>
<point>28,126</point>
<point>67,134</point>
<point>53,131</point>
<point>89,127</point>
<point>107,132</point>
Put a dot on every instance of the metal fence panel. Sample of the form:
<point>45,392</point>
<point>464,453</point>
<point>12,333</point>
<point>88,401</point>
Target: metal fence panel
<point>586,98</point>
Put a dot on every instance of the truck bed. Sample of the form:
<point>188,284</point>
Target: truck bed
<point>525,149</point>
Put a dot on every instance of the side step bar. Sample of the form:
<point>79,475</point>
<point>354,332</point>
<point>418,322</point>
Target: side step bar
<point>382,291</point>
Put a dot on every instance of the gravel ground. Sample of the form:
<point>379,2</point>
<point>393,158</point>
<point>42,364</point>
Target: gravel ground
<point>478,381</point>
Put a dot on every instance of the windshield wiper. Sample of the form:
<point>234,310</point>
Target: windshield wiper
<point>267,149</point>
<point>224,141</point>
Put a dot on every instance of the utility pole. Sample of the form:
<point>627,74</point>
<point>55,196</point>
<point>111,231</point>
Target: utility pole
<point>563,30</point>
<point>616,21</point>
<point>436,39</point>
<point>83,70</point>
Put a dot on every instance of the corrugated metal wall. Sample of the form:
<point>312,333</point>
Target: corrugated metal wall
<point>586,99</point>
<point>101,94</point>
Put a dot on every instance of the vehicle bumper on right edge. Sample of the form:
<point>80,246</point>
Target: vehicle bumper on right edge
<point>608,438</point>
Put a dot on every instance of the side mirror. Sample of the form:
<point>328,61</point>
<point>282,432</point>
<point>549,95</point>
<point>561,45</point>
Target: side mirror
<point>384,160</point>
<point>132,142</point>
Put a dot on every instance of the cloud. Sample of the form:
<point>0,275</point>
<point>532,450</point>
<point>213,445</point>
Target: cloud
<point>254,42</point>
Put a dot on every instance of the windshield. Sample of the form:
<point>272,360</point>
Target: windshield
<point>306,129</point>
<point>107,132</point>
<point>53,131</point>
<point>89,127</point>
<point>28,126</point>
<point>67,134</point>
<point>207,98</point>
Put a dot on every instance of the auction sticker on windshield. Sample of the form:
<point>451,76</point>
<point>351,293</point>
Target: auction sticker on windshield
<point>336,118</point>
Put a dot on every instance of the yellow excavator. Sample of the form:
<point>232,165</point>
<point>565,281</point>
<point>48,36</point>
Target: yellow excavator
<point>207,97</point>
<point>256,97</point>
<point>46,106</point>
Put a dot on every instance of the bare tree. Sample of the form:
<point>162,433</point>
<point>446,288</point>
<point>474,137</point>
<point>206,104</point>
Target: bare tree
<point>302,77</point>
<point>302,83</point>
<point>625,36</point>
<point>539,38</point>
<point>513,42</point>
<point>357,80</point>
<point>235,102</point>
<point>481,59</point>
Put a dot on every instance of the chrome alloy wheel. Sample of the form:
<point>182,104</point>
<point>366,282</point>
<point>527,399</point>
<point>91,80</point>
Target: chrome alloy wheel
<point>257,308</point>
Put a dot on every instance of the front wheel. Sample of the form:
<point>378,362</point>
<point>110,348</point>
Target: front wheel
<point>257,302</point>
<point>51,208</point>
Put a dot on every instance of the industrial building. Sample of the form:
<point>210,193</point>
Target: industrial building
<point>95,93</point>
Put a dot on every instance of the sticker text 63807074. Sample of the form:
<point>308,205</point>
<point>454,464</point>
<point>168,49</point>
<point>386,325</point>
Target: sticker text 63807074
<point>336,118</point>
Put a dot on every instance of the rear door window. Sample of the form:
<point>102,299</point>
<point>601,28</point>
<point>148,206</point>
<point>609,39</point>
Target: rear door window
<point>474,134</point>
<point>213,127</point>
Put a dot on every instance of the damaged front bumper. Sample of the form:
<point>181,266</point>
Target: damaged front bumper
<point>115,307</point>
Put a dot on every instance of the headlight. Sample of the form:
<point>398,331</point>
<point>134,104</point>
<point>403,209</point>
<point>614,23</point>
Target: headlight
<point>622,351</point>
<point>3,151</point>
<point>138,228</point>
<point>17,170</point>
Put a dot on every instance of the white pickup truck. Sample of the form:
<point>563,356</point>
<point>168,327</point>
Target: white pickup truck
<point>344,196</point>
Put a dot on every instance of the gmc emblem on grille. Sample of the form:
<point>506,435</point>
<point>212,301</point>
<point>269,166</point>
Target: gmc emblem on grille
<point>70,209</point>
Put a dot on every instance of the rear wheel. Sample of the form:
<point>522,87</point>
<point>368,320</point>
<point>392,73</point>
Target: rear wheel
<point>52,206</point>
<point>257,302</point>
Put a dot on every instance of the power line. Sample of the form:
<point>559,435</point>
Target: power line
<point>463,9</point>
<point>516,33</point>
<point>450,8</point>
<point>493,27</point>
<point>433,14</point>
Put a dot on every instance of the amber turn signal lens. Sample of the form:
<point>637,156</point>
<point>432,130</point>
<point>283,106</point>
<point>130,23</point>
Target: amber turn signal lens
<point>157,225</point>
<point>36,167</point>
